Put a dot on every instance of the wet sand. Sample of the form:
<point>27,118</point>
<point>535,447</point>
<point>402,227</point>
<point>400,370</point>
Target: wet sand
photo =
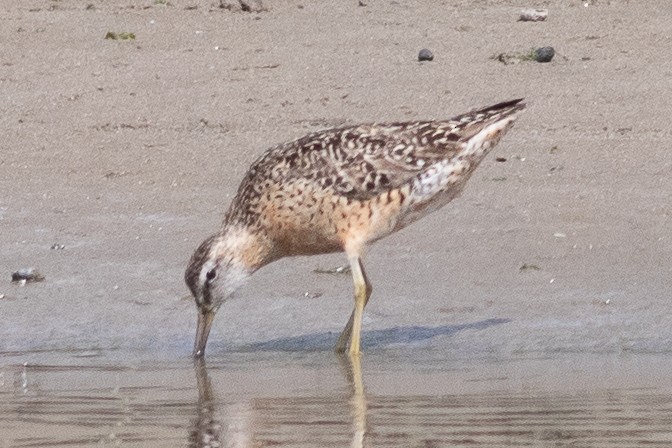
<point>128,152</point>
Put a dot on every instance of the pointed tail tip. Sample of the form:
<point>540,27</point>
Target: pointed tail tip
<point>501,110</point>
<point>516,104</point>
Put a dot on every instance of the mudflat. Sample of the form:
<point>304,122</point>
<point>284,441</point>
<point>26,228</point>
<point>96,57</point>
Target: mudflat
<point>533,309</point>
<point>119,155</point>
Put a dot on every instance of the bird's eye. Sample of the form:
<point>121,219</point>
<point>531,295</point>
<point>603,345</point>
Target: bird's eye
<point>210,276</point>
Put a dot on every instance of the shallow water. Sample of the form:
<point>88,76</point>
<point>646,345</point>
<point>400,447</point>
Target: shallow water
<point>394,398</point>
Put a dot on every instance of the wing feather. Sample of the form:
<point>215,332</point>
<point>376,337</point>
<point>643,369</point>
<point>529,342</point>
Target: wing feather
<point>360,162</point>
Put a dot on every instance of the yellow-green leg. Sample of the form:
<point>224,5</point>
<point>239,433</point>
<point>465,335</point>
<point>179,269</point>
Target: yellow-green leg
<point>352,332</point>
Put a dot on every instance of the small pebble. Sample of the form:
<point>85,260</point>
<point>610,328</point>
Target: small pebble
<point>57,246</point>
<point>533,15</point>
<point>252,5</point>
<point>27,275</point>
<point>425,55</point>
<point>544,54</point>
<point>312,295</point>
<point>338,270</point>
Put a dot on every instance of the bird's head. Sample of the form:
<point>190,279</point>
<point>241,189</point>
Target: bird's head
<point>214,273</point>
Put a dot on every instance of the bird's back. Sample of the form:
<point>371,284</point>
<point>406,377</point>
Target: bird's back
<point>314,193</point>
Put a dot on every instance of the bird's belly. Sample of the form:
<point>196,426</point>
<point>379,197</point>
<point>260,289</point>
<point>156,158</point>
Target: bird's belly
<point>331,224</point>
<point>299,226</point>
<point>307,241</point>
<point>319,223</point>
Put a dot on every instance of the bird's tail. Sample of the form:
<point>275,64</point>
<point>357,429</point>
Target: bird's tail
<point>475,133</point>
<point>492,113</point>
<point>485,127</point>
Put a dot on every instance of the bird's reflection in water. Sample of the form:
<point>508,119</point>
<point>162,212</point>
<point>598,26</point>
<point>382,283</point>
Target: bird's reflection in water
<point>235,429</point>
<point>205,430</point>
<point>352,367</point>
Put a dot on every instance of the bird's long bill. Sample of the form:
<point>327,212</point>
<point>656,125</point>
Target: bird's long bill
<point>205,319</point>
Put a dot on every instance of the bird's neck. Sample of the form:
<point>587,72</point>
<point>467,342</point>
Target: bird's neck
<point>246,247</point>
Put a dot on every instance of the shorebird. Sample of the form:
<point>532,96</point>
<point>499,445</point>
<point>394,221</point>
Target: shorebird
<point>339,190</point>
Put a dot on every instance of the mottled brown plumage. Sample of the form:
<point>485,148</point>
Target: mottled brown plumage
<point>339,190</point>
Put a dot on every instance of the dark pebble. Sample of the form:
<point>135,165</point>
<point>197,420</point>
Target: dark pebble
<point>544,54</point>
<point>252,5</point>
<point>425,55</point>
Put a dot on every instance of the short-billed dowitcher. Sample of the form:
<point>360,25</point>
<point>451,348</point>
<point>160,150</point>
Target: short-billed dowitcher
<point>340,190</point>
